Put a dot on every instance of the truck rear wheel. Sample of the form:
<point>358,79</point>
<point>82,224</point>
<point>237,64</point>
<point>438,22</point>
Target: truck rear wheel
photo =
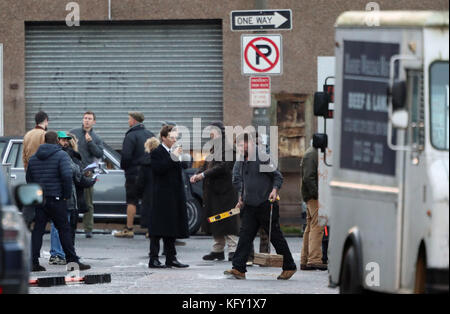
<point>350,279</point>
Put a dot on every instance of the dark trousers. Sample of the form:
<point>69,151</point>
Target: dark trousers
<point>56,211</point>
<point>169,248</point>
<point>73,225</point>
<point>252,219</point>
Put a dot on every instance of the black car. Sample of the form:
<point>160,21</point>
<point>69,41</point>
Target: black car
<point>109,191</point>
<point>15,237</point>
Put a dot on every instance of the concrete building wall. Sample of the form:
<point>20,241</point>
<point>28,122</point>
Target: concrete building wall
<point>312,35</point>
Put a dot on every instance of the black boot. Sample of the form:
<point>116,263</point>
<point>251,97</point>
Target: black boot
<point>214,256</point>
<point>175,263</point>
<point>37,267</point>
<point>155,263</point>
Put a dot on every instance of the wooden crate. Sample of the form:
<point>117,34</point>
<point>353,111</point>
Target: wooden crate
<point>268,260</point>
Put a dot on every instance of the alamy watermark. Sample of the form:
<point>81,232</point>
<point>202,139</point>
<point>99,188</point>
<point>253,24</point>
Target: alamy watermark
<point>372,278</point>
<point>73,18</point>
<point>373,18</point>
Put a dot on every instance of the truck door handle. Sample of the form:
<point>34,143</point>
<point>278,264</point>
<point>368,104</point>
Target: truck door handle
<point>13,176</point>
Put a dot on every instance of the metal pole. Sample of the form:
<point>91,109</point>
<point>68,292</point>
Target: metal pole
<point>260,4</point>
<point>261,115</point>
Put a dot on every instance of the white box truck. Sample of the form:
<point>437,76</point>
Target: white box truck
<point>388,199</point>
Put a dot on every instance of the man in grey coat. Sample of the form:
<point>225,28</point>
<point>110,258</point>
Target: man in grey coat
<point>257,191</point>
<point>90,147</point>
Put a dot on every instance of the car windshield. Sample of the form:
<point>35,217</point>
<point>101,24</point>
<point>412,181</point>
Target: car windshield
<point>439,94</point>
<point>112,152</point>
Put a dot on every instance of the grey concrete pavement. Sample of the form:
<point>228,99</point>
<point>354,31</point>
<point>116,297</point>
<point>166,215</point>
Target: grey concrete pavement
<point>127,259</point>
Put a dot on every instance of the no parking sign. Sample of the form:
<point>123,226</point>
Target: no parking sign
<point>261,54</point>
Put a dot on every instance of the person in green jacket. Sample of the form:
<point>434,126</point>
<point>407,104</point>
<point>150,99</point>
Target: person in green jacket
<point>311,258</point>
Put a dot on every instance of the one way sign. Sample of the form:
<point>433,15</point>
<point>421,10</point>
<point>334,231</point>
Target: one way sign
<point>261,20</point>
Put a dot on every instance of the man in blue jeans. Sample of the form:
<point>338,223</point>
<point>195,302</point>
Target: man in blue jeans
<point>57,256</point>
<point>50,167</point>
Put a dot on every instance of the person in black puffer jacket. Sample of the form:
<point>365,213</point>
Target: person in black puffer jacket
<point>51,168</point>
<point>80,182</point>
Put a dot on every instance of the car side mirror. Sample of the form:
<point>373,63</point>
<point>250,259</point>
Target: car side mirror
<point>398,94</point>
<point>320,141</point>
<point>400,119</point>
<point>28,195</point>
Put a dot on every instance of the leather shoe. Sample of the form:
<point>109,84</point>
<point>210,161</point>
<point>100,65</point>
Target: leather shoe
<point>220,256</point>
<point>234,273</point>
<point>73,266</point>
<point>38,267</point>
<point>286,274</point>
<point>176,263</point>
<point>305,267</point>
<point>321,267</point>
<point>154,263</point>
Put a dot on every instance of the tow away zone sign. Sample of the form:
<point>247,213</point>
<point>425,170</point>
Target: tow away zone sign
<point>260,92</point>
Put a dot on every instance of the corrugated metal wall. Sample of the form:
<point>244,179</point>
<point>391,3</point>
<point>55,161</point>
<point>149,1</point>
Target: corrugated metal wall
<point>169,72</point>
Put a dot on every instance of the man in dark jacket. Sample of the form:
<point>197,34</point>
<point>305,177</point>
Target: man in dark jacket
<point>90,147</point>
<point>50,167</point>
<point>75,203</point>
<point>169,219</point>
<point>132,155</point>
<point>258,188</point>
<point>311,258</point>
<point>219,194</point>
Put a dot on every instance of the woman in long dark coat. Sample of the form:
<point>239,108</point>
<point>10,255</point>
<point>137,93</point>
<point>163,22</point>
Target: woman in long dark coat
<point>144,183</point>
<point>219,196</point>
<point>167,217</point>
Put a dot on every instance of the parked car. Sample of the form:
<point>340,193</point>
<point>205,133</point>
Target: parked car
<point>15,238</point>
<point>109,191</point>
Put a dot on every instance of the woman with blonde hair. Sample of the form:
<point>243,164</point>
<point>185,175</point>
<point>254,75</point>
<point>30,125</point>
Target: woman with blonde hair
<point>145,186</point>
<point>151,144</point>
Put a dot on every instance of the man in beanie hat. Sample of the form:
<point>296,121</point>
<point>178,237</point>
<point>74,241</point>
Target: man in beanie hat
<point>132,153</point>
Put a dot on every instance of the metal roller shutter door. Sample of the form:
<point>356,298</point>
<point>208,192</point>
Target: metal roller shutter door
<point>169,72</point>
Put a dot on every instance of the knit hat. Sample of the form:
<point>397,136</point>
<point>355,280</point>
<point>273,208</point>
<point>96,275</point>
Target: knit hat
<point>136,115</point>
